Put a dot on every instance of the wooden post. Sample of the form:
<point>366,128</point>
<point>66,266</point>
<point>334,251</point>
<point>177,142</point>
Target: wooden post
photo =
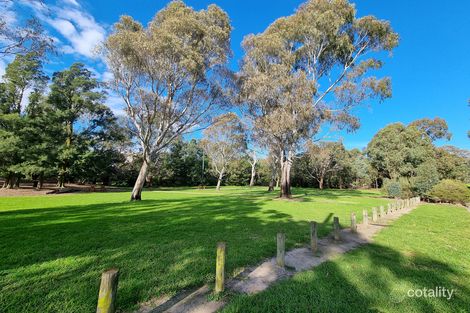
<point>389,208</point>
<point>313,236</point>
<point>374,214</point>
<point>365,217</point>
<point>382,211</point>
<point>108,291</point>
<point>281,249</point>
<point>336,229</point>
<point>353,223</point>
<point>220,268</point>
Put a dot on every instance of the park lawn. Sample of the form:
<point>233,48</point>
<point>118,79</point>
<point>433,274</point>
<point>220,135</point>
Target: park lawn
<point>54,248</point>
<point>428,248</point>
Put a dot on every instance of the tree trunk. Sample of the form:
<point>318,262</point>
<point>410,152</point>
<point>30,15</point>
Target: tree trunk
<point>40,182</point>
<point>273,178</point>
<point>139,183</point>
<point>320,183</point>
<point>286,163</point>
<point>253,174</point>
<point>219,181</point>
<point>18,181</point>
<point>11,181</point>
<point>61,181</point>
<point>6,183</point>
<point>271,184</point>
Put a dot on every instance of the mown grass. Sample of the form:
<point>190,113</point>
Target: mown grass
<point>428,248</point>
<point>54,248</point>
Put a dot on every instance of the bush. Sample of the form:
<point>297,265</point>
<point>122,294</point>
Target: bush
<point>451,191</point>
<point>426,178</point>
<point>392,188</point>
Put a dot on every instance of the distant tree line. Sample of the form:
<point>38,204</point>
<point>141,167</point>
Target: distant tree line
<point>305,71</point>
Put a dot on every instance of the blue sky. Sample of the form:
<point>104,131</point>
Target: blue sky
<point>430,69</point>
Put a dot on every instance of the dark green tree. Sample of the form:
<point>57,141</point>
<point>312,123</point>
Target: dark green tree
<point>77,97</point>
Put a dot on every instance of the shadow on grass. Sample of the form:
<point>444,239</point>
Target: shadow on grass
<point>373,278</point>
<point>52,258</point>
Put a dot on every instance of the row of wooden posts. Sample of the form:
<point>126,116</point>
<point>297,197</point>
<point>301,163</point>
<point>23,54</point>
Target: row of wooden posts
<point>109,279</point>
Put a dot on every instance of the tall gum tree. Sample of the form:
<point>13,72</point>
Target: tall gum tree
<point>171,75</point>
<point>310,68</point>
<point>224,141</point>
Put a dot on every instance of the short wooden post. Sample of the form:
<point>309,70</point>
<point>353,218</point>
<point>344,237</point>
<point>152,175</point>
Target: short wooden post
<point>220,268</point>
<point>108,291</point>
<point>336,229</point>
<point>313,236</point>
<point>281,249</point>
<point>365,217</point>
<point>382,211</point>
<point>389,208</point>
<point>374,214</point>
<point>353,223</point>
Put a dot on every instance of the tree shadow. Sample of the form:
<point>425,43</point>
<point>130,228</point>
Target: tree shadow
<point>374,278</point>
<point>161,247</point>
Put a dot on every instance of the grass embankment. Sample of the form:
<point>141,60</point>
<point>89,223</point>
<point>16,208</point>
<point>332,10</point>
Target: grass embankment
<point>54,248</point>
<point>429,248</point>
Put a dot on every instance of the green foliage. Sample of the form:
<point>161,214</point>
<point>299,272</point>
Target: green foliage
<point>396,151</point>
<point>181,165</point>
<point>453,163</point>
<point>450,191</point>
<point>433,128</point>
<point>239,172</point>
<point>426,177</point>
<point>392,188</point>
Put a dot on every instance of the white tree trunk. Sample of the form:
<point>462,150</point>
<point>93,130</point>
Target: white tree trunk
<point>286,164</point>
<point>253,174</point>
<point>219,181</point>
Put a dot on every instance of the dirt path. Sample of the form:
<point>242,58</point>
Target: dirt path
<point>258,278</point>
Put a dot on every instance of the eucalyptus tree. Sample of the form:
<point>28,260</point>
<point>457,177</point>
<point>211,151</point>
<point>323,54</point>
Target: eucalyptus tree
<point>433,128</point>
<point>310,68</point>
<point>171,75</point>
<point>23,35</point>
<point>323,159</point>
<point>397,151</point>
<point>253,160</point>
<point>224,141</point>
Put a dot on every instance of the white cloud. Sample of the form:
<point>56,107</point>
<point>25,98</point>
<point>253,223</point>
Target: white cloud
<point>116,104</point>
<point>82,33</point>
<point>72,2</point>
<point>107,76</point>
<point>80,29</point>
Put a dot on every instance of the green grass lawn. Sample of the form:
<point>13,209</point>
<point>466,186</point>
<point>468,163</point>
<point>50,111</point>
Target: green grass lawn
<point>428,248</point>
<point>54,248</point>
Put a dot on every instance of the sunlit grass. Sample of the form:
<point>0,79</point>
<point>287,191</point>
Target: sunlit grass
<point>427,249</point>
<point>54,248</point>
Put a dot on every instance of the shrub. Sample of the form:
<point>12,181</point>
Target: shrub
<point>392,188</point>
<point>426,178</point>
<point>451,191</point>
